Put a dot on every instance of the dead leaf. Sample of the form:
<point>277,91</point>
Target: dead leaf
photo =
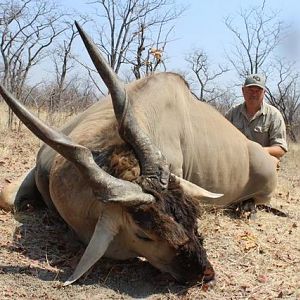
<point>280,295</point>
<point>247,241</point>
<point>262,278</point>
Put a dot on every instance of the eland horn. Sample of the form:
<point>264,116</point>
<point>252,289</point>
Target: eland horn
<point>105,187</point>
<point>153,163</point>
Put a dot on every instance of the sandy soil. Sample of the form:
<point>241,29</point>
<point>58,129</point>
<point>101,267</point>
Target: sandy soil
<point>253,259</point>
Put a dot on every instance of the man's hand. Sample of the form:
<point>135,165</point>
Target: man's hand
<point>275,151</point>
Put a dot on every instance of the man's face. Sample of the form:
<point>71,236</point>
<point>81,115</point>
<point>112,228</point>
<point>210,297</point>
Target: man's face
<point>253,95</point>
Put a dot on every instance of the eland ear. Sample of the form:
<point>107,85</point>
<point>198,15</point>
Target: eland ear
<point>194,190</point>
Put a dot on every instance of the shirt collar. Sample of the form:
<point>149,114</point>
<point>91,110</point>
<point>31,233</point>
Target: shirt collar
<point>263,108</point>
<point>261,111</point>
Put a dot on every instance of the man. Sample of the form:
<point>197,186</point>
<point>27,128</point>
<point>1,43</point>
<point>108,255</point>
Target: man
<point>259,121</point>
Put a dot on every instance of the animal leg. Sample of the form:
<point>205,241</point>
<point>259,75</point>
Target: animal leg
<point>21,193</point>
<point>245,209</point>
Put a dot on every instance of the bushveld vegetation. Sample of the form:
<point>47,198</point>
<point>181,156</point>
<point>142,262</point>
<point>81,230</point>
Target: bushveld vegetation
<point>253,259</point>
<point>135,35</point>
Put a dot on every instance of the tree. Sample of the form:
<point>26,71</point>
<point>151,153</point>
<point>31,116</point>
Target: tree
<point>135,32</point>
<point>147,62</point>
<point>63,62</point>
<point>78,94</point>
<point>27,29</point>
<point>256,41</point>
<point>225,99</point>
<point>286,95</point>
<point>204,78</point>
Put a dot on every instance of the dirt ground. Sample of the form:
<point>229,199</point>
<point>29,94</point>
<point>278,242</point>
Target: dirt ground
<point>253,259</point>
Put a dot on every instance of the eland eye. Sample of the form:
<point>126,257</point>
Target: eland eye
<point>142,236</point>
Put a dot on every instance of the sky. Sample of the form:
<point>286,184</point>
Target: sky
<point>202,26</point>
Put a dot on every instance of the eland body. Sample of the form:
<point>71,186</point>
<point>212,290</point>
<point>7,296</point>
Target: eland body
<point>129,174</point>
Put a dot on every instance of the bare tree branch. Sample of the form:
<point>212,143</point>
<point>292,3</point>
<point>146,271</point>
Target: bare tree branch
<point>132,28</point>
<point>256,40</point>
<point>27,29</point>
<point>198,63</point>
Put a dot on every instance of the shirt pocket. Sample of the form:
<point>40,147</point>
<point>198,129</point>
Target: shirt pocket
<point>261,128</point>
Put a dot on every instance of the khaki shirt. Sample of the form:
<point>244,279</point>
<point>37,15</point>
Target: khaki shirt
<point>266,127</point>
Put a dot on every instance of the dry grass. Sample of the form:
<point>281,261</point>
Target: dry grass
<point>253,259</point>
<point>57,118</point>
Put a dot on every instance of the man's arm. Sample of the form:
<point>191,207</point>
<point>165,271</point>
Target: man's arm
<point>278,144</point>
